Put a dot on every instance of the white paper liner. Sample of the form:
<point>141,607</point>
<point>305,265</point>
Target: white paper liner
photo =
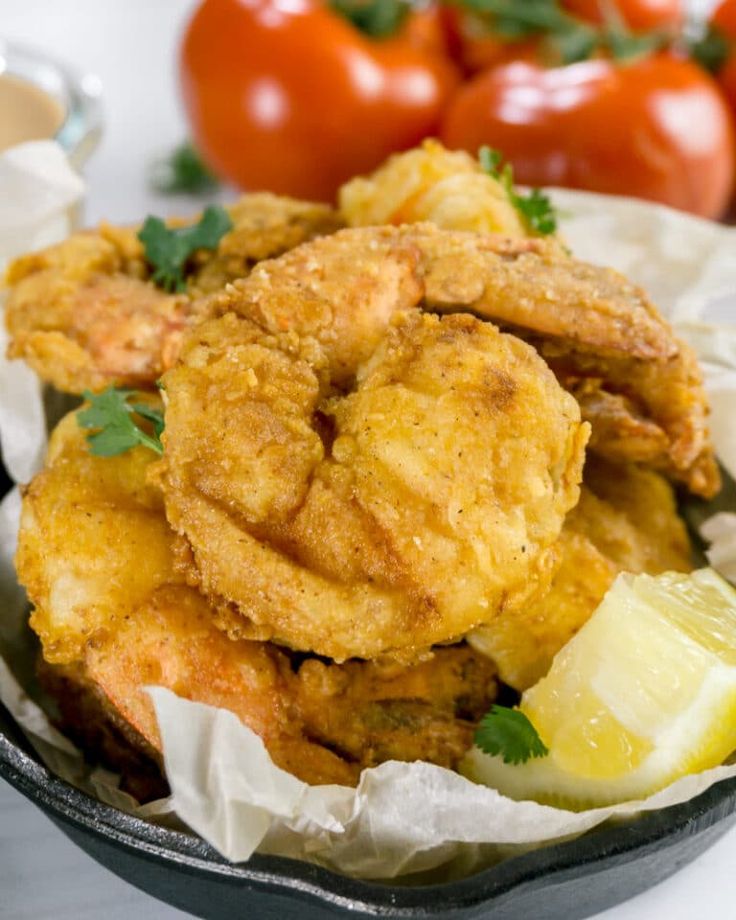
<point>404,818</point>
<point>39,194</point>
<point>412,820</point>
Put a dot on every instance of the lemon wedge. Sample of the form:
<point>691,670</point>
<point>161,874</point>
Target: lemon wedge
<point>643,694</point>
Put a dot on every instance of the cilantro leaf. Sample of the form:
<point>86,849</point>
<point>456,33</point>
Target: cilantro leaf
<point>535,208</point>
<point>538,211</point>
<point>168,249</point>
<point>154,416</point>
<point>509,734</point>
<point>183,172</point>
<point>111,413</point>
<point>490,160</point>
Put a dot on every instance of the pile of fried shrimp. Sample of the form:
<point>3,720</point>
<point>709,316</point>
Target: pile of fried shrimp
<point>408,446</point>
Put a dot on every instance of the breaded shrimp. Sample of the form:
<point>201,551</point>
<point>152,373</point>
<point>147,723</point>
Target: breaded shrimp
<point>91,722</point>
<point>448,188</point>
<point>84,313</point>
<point>593,327</point>
<point>379,521</point>
<point>626,521</point>
<point>644,407</point>
<point>97,558</point>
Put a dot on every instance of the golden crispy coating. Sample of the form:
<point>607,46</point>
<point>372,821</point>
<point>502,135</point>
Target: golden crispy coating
<point>630,514</point>
<point>170,641</point>
<point>649,412</point>
<point>371,711</point>
<point>626,521</point>
<point>80,580</point>
<point>96,556</point>
<point>343,289</point>
<point>448,188</point>
<point>644,407</point>
<point>89,719</point>
<point>601,335</point>
<point>323,722</point>
<point>412,510</point>
<point>84,313</point>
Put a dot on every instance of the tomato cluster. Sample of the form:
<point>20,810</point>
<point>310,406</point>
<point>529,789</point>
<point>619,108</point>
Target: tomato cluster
<point>292,96</point>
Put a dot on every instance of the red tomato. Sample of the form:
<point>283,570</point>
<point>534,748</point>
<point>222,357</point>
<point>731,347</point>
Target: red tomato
<point>655,129</point>
<point>426,29</point>
<point>286,95</point>
<point>638,15</point>
<point>724,18</point>
<point>727,79</point>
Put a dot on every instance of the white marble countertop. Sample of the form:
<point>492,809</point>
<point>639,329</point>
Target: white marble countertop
<point>130,45</point>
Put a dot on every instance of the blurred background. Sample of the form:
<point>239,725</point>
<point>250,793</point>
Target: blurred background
<point>299,101</point>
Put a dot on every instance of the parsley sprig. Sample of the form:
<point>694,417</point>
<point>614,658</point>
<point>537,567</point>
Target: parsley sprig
<point>168,248</point>
<point>183,172</point>
<point>113,416</point>
<point>535,208</point>
<point>509,734</point>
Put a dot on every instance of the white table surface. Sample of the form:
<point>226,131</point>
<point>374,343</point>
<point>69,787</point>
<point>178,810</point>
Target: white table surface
<point>131,45</point>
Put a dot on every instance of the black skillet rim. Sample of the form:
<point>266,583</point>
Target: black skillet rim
<point>294,878</point>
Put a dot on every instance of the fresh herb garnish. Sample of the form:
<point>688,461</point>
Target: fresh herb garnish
<point>375,18</point>
<point>490,161</point>
<point>509,734</point>
<point>538,211</point>
<point>536,208</point>
<point>183,172</point>
<point>567,39</point>
<point>112,414</point>
<point>168,249</point>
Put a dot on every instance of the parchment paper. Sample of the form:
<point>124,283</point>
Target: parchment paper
<point>412,821</point>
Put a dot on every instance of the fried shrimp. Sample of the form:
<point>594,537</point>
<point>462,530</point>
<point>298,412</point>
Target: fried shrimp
<point>649,412</point>
<point>97,558</point>
<point>626,521</point>
<point>84,313</point>
<point>448,188</point>
<point>600,334</point>
<point>646,405</point>
<point>378,521</point>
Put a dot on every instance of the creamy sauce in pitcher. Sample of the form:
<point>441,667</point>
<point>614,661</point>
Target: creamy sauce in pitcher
<point>27,113</point>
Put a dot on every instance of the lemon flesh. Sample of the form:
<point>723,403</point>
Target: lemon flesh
<point>645,693</point>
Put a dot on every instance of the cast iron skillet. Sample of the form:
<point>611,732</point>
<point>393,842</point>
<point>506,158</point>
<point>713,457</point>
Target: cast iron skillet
<point>563,882</point>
